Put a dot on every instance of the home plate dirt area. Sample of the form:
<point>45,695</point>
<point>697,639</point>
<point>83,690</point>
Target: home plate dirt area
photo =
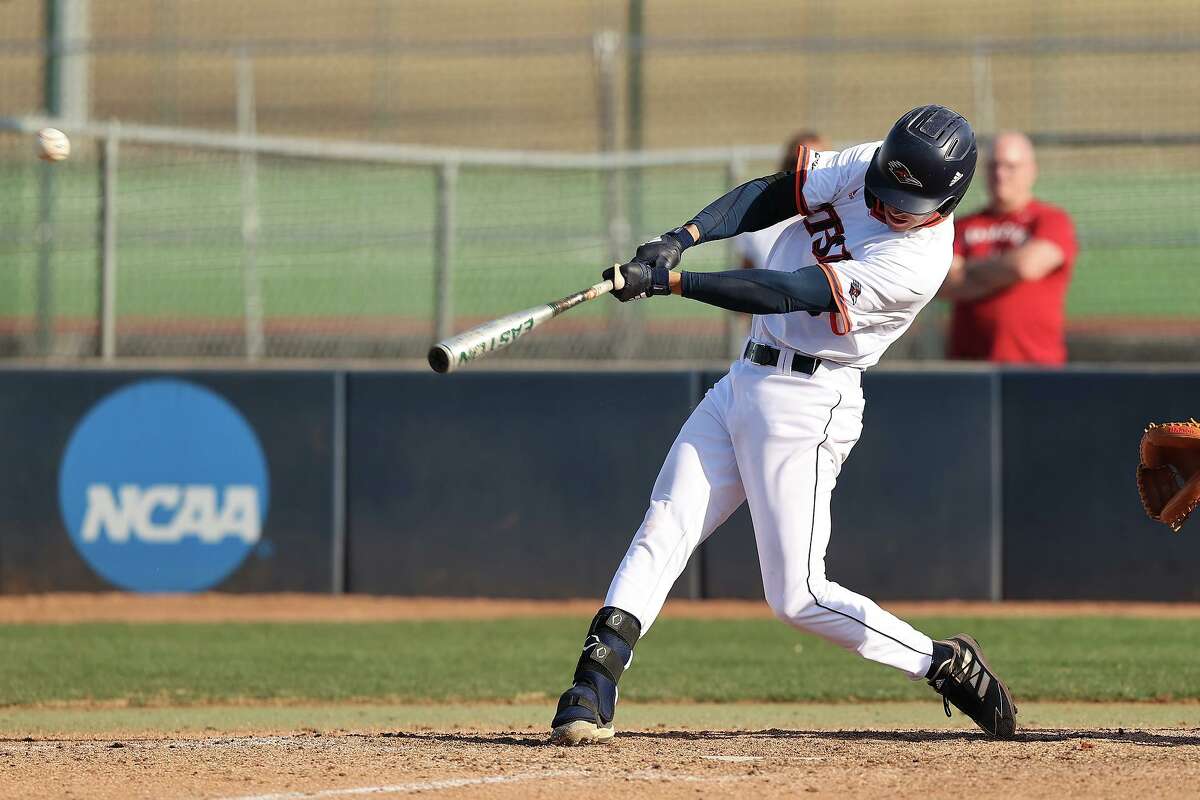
<point>657,763</point>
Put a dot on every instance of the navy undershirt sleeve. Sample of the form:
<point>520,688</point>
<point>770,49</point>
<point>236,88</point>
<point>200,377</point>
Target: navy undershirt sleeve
<point>750,207</point>
<point>760,291</point>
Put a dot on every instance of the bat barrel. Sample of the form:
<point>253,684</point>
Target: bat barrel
<point>449,354</point>
<point>440,358</point>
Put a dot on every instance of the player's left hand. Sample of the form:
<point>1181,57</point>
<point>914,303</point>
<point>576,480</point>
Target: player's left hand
<point>664,251</point>
<point>635,280</point>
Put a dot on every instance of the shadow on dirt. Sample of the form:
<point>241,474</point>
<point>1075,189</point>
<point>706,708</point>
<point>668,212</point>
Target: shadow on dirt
<point>1031,736</point>
<point>514,740</point>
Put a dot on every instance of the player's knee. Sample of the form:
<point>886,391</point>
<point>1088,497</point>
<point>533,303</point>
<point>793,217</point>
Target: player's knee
<point>796,604</point>
<point>791,607</point>
<point>820,589</point>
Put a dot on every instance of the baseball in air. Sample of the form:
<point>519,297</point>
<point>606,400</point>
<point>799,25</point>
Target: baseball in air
<point>52,144</point>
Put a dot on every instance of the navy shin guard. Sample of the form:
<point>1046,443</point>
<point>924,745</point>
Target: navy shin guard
<point>607,651</point>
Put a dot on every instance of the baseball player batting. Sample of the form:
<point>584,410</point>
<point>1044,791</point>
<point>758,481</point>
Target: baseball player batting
<point>839,286</point>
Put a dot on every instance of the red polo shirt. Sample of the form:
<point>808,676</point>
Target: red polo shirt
<point>1021,323</point>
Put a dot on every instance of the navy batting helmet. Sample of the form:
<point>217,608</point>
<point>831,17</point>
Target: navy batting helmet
<point>925,164</point>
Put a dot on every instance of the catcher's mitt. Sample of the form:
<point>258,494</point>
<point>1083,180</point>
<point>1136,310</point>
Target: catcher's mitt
<point>1169,476</point>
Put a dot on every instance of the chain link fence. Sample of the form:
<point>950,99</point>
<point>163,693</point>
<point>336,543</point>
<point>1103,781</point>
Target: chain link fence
<point>264,252</point>
<point>286,247</point>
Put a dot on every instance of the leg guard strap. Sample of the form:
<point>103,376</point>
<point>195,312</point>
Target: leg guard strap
<point>598,657</point>
<point>622,623</point>
<point>599,654</point>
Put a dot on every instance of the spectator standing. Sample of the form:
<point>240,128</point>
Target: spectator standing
<point>1012,266</point>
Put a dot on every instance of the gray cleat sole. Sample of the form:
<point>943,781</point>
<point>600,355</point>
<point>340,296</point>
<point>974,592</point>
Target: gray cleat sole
<point>580,732</point>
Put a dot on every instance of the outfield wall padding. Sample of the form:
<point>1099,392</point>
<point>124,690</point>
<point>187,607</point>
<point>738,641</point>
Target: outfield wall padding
<point>291,414</point>
<point>1073,523</point>
<point>966,483</point>
<point>503,484</point>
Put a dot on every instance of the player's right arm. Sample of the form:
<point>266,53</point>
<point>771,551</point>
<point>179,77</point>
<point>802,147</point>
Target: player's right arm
<point>817,179</point>
<point>754,205</point>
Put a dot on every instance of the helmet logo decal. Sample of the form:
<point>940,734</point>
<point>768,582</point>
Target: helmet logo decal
<point>957,177</point>
<point>903,174</point>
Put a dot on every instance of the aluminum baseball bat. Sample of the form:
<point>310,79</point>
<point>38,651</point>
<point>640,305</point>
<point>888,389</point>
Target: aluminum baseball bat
<point>450,354</point>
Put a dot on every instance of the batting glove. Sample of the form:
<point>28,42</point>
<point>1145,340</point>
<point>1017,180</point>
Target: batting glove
<point>636,281</point>
<point>664,251</point>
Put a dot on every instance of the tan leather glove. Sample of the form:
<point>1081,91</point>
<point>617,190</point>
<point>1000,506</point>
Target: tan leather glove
<point>1168,477</point>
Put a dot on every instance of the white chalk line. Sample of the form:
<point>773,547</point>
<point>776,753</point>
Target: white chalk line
<point>454,783</point>
<point>418,786</point>
<point>660,776</point>
<point>734,759</point>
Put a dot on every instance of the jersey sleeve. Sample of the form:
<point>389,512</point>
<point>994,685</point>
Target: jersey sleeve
<point>817,179</point>
<point>823,176</point>
<point>1054,225</point>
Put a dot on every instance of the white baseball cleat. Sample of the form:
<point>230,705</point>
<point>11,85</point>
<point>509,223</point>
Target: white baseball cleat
<point>580,731</point>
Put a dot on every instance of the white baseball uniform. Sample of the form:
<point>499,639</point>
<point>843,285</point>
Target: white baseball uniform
<point>777,438</point>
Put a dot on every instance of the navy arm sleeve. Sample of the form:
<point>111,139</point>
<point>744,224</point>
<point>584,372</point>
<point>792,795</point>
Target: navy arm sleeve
<point>750,207</point>
<point>759,291</point>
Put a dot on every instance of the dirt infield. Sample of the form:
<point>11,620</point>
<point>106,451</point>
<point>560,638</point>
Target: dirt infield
<point>120,607</point>
<point>660,764</point>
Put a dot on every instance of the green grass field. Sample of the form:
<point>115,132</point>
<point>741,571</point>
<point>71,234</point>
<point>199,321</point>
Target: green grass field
<point>1092,659</point>
<point>357,241</point>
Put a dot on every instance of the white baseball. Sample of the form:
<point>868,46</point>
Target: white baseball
<point>52,144</point>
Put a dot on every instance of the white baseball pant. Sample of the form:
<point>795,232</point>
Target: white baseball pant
<point>777,440</point>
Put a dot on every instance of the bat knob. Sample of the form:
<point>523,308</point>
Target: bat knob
<point>439,359</point>
<point>618,280</point>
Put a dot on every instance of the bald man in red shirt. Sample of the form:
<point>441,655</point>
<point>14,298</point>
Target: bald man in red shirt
<point>1012,264</point>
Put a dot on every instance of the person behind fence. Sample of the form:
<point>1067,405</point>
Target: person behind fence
<point>1012,265</point>
<point>753,247</point>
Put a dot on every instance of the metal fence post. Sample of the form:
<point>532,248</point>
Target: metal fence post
<point>108,245</point>
<point>985,94</point>
<point>338,486</point>
<point>634,117</point>
<point>248,163</point>
<point>45,247</point>
<point>443,250</point>
<point>735,323</point>
<point>605,46</point>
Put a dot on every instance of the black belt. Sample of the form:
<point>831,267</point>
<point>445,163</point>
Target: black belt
<point>766,356</point>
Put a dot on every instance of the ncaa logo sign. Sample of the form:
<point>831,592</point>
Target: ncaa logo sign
<point>163,487</point>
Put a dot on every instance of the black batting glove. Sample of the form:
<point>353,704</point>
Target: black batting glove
<point>634,281</point>
<point>664,251</point>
